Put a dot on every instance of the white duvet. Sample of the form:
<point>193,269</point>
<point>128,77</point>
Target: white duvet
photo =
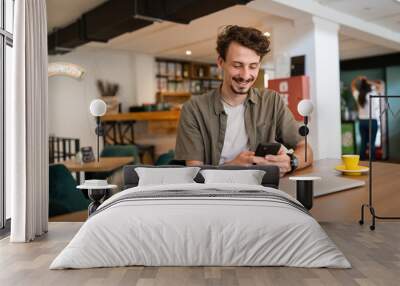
<point>200,231</point>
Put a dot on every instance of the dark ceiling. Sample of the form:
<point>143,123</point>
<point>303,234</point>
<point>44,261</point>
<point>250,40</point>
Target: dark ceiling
<point>116,17</point>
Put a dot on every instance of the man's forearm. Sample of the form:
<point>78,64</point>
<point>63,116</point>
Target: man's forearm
<point>299,152</point>
<point>194,163</point>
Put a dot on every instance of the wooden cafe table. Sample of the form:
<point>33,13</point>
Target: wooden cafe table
<point>345,206</point>
<point>106,164</point>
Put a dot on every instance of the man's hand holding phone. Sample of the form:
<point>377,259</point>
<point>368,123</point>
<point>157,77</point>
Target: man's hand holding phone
<point>266,154</point>
<point>245,158</point>
<point>280,159</point>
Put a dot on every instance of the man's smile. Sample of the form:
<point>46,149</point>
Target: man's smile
<point>242,82</point>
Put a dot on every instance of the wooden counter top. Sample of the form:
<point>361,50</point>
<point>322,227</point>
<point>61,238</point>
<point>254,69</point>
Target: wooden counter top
<point>172,115</point>
<point>106,164</point>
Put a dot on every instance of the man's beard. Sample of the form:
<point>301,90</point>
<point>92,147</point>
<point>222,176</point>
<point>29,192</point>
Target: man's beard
<point>239,80</point>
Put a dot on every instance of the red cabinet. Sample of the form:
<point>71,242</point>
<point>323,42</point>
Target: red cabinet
<point>293,90</point>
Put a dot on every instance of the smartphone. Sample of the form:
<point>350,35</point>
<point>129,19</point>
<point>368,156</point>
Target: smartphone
<point>267,149</point>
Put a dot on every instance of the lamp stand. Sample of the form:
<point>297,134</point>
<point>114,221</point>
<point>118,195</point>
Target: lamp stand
<point>99,132</point>
<point>303,131</point>
<point>305,138</point>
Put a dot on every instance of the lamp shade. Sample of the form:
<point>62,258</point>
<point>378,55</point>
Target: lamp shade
<point>98,107</point>
<point>305,107</point>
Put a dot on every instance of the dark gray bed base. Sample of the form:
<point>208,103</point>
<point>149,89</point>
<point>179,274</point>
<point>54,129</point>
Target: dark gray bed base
<point>270,179</point>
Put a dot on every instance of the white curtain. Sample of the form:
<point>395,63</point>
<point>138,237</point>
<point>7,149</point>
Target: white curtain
<point>27,138</point>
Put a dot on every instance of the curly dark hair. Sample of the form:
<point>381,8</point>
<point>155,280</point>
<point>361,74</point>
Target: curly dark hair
<point>246,36</point>
<point>364,89</point>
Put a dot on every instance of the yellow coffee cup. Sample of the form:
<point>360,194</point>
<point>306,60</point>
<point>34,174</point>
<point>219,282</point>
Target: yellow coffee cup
<point>350,161</point>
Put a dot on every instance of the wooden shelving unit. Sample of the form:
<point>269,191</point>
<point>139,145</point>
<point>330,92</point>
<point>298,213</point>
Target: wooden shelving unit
<point>177,80</point>
<point>173,96</point>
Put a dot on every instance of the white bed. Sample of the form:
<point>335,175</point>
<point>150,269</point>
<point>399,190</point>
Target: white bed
<point>183,230</point>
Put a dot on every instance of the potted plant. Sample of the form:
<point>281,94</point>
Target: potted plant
<point>108,93</point>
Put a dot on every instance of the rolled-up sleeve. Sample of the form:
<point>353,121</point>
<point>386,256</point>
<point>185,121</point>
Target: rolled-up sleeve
<point>287,128</point>
<point>189,142</point>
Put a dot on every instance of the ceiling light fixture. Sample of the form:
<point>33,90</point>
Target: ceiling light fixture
<point>188,52</point>
<point>267,34</point>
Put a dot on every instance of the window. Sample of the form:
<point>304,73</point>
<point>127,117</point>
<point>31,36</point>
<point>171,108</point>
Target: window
<point>6,43</point>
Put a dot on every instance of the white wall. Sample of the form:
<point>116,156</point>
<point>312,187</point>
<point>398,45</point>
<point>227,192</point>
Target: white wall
<point>145,87</point>
<point>69,98</point>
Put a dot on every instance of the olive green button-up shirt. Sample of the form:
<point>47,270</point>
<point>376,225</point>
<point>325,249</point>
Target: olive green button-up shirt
<point>202,125</point>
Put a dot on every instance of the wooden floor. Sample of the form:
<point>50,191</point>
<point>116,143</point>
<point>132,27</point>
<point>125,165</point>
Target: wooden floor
<point>375,257</point>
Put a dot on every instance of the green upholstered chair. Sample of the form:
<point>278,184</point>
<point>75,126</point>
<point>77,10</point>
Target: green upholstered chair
<point>121,151</point>
<point>63,195</point>
<point>165,158</point>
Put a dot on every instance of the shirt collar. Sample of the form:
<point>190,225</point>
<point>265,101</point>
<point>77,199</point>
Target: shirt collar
<point>253,95</point>
<point>218,106</point>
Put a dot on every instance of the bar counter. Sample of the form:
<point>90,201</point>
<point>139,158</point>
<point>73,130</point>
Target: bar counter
<point>172,115</point>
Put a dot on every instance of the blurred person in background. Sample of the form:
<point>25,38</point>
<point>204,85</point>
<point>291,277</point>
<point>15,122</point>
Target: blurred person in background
<point>362,89</point>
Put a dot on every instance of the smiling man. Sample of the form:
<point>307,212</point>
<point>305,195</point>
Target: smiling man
<point>226,125</point>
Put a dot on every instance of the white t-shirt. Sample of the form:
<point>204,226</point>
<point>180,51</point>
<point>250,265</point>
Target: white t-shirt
<point>363,111</point>
<point>236,138</point>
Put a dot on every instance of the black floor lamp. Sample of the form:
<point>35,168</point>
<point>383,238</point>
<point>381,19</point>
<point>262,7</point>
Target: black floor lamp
<point>370,201</point>
<point>305,108</point>
<point>305,184</point>
<point>98,108</point>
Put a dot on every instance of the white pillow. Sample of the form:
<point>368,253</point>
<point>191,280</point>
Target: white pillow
<point>248,177</point>
<point>164,176</point>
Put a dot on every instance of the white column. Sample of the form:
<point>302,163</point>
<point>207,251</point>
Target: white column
<point>325,89</point>
<point>317,39</point>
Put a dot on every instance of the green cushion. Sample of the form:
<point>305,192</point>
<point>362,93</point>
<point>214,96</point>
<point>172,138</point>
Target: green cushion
<point>121,151</point>
<point>63,195</point>
<point>165,158</point>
